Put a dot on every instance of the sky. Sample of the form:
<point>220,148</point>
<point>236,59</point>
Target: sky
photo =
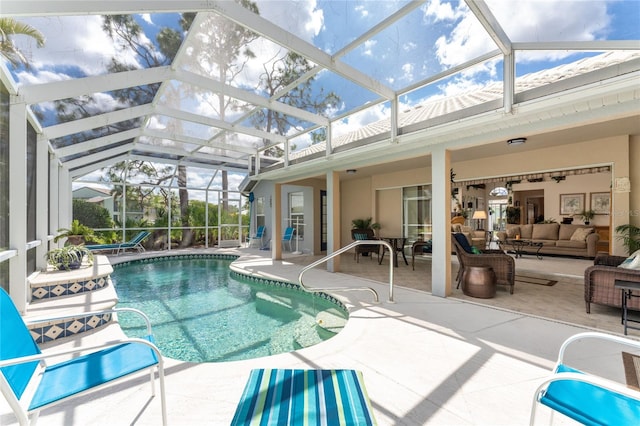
<point>436,36</point>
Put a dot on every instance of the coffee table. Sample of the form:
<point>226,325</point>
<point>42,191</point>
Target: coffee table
<point>520,246</point>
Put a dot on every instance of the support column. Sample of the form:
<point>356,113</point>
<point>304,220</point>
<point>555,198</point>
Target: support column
<point>333,219</point>
<point>441,190</point>
<point>276,223</point>
<point>65,202</point>
<point>18,202</point>
<point>42,201</point>
<point>54,187</point>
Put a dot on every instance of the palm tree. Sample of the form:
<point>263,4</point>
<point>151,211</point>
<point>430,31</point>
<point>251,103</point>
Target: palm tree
<point>10,27</point>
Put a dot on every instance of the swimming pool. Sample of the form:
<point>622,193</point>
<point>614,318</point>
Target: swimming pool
<point>202,312</point>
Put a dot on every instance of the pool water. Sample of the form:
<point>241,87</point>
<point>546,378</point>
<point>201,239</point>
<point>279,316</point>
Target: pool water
<point>200,313</point>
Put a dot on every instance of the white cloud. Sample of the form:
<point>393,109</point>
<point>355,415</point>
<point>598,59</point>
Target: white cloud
<point>301,18</point>
<point>522,20</point>
<point>360,119</point>
<point>72,41</point>
<point>368,47</point>
<point>147,18</point>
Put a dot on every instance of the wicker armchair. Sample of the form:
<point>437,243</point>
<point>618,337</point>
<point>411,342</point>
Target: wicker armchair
<point>503,265</point>
<point>365,234</point>
<point>599,281</point>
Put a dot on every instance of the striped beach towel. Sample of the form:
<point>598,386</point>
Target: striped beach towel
<point>304,397</point>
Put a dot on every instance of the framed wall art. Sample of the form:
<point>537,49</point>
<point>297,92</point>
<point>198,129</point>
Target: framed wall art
<point>600,202</point>
<point>571,203</point>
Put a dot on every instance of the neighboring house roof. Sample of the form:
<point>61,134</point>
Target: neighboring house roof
<point>103,191</point>
<point>491,92</point>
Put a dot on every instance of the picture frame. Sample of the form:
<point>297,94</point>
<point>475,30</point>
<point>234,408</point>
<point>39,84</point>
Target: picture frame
<point>600,202</point>
<point>571,203</point>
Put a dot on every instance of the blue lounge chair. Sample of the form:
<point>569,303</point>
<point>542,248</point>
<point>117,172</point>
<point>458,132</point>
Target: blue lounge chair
<point>134,243</point>
<point>288,237</point>
<point>258,237</point>
<point>30,385</point>
<point>304,397</point>
<point>586,398</point>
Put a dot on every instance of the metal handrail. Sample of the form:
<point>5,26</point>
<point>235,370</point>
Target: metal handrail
<point>342,250</point>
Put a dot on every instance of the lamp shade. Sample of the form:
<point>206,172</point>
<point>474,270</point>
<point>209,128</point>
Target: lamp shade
<point>479,214</point>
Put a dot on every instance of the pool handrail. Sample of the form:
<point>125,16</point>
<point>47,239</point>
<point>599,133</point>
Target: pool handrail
<point>340,251</point>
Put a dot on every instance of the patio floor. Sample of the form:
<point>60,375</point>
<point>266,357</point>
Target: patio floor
<point>425,359</point>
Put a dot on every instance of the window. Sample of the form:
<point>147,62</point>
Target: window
<point>296,212</point>
<point>416,216</point>
<point>260,220</point>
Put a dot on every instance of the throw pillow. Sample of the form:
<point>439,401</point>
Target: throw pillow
<point>475,250</point>
<point>464,243</point>
<point>580,234</point>
<point>513,231</point>
<point>631,262</point>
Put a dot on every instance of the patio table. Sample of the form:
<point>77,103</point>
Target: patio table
<point>398,246</point>
<point>519,246</point>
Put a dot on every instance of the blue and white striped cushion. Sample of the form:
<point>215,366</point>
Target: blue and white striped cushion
<point>304,397</point>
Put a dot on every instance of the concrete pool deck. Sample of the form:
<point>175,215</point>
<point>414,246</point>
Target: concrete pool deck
<point>425,360</point>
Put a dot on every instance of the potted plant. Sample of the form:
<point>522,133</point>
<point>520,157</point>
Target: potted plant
<point>587,215</point>
<point>630,236</point>
<point>364,224</point>
<point>76,234</point>
<point>68,257</point>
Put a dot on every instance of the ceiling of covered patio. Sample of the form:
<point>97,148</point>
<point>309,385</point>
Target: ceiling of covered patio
<point>217,84</point>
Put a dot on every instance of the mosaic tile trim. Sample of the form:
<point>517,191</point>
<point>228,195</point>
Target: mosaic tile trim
<point>291,286</point>
<point>52,330</point>
<point>47,291</point>
<point>177,256</point>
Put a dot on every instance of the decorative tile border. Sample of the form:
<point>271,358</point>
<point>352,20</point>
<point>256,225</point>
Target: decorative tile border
<point>291,286</point>
<point>47,331</point>
<point>48,291</point>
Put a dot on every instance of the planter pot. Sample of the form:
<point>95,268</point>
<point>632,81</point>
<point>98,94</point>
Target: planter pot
<point>72,265</point>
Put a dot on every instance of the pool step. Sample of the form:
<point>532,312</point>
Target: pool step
<point>61,293</point>
<point>331,320</point>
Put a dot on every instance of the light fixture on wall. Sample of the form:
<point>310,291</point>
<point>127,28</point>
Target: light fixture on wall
<point>351,171</point>
<point>516,141</point>
<point>479,215</point>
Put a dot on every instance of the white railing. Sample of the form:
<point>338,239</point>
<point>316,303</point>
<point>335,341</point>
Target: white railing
<point>340,251</point>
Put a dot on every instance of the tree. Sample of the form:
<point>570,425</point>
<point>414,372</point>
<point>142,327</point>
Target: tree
<point>277,76</point>
<point>222,50</point>
<point>9,28</point>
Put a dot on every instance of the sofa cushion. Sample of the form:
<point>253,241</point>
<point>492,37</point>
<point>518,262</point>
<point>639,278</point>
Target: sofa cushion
<point>566,231</point>
<point>545,231</point>
<point>572,244</point>
<point>513,231</point>
<point>580,234</point>
<point>546,243</point>
<point>526,232</point>
<point>631,262</point>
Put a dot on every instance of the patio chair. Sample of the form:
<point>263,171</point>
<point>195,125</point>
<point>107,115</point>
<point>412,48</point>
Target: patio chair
<point>364,249</point>
<point>29,384</point>
<point>587,398</point>
<point>134,243</point>
<point>287,238</point>
<point>599,281</point>
<point>419,247</point>
<point>503,265</point>
<point>309,397</point>
<point>258,237</point>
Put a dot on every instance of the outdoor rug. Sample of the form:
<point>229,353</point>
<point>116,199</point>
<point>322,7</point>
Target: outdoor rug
<point>304,397</point>
<point>523,279</point>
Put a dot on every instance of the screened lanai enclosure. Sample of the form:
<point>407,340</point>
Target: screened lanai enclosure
<point>164,115</point>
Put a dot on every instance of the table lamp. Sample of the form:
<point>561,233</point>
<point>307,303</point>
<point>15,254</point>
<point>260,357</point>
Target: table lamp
<point>479,215</point>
